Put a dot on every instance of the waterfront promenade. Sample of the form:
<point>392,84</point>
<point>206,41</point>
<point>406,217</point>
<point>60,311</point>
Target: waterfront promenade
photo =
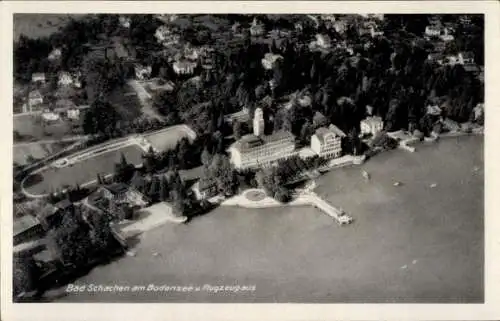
<point>303,197</point>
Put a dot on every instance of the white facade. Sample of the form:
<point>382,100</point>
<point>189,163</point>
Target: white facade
<point>73,114</point>
<point>432,31</point>
<point>269,60</point>
<point>38,77</point>
<point>162,33</point>
<point>35,99</point>
<point>465,58</point>
<point>323,41</point>
<point>50,116</point>
<point>256,29</point>
<point>184,67</point>
<point>142,72</point>
<point>166,37</point>
<point>375,32</point>
<point>124,21</point>
<point>258,122</point>
<point>372,125</point>
<point>252,151</point>
<point>55,54</point>
<point>478,111</point>
<point>65,79</point>
<point>326,143</point>
<point>340,26</point>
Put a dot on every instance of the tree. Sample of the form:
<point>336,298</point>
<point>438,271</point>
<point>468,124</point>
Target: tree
<point>183,151</point>
<point>206,157</point>
<point>101,118</point>
<point>150,161</point>
<point>25,273</point>
<point>178,201</point>
<point>237,129</point>
<point>224,174</point>
<point>154,189</point>
<point>164,189</point>
<point>283,194</point>
<point>123,170</point>
<point>138,182</point>
<point>70,241</point>
<point>101,236</point>
<point>354,141</point>
<point>306,132</point>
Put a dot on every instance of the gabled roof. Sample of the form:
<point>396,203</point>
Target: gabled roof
<point>117,188</point>
<point>47,211</point>
<point>35,94</point>
<point>336,130</point>
<point>319,118</point>
<point>372,119</point>
<point>24,223</point>
<point>206,183</point>
<point>322,133</point>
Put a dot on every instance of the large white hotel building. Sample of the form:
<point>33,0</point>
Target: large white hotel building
<point>260,150</point>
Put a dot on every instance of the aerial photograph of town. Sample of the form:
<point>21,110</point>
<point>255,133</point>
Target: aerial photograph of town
<point>248,158</point>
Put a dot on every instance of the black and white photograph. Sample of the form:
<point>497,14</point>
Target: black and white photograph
<point>248,157</point>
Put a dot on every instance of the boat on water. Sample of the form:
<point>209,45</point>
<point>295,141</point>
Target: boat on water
<point>365,175</point>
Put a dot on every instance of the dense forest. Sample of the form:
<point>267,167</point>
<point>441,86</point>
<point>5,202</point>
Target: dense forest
<point>392,74</point>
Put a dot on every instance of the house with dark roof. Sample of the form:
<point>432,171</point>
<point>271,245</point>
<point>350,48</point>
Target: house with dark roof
<point>117,193</point>
<point>27,228</point>
<point>51,215</point>
<point>205,188</point>
<point>241,116</point>
<point>35,99</point>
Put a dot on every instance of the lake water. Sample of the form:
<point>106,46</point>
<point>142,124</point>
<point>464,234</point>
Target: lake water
<point>410,243</point>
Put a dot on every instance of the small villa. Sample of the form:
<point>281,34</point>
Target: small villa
<point>371,125</point>
<point>38,77</point>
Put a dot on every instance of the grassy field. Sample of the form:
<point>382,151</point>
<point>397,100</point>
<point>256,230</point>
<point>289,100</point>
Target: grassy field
<point>408,244</point>
<point>81,172</point>
<point>39,25</point>
<point>167,139</point>
<point>32,129</point>
<point>37,151</point>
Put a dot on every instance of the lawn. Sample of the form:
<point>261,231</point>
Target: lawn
<point>40,25</point>
<point>23,152</point>
<point>32,128</point>
<point>168,138</point>
<point>81,172</point>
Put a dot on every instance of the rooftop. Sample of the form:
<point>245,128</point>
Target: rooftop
<point>206,183</point>
<point>467,55</point>
<point>117,188</point>
<point>372,119</point>
<point>323,132</point>
<point>47,211</point>
<point>250,141</point>
<point>35,94</point>
<point>24,223</point>
<point>336,130</point>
